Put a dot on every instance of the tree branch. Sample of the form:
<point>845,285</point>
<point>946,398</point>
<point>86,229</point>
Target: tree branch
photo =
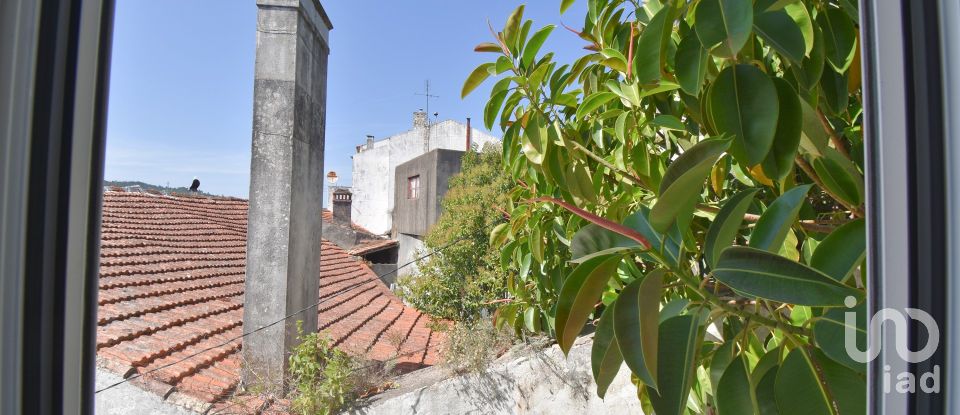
<point>834,137</point>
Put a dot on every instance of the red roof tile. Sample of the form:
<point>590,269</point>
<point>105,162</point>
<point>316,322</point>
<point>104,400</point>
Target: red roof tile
<point>171,285</point>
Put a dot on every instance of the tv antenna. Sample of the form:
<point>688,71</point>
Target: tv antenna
<point>427,95</point>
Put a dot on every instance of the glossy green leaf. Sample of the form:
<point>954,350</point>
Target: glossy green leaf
<point>798,12</point>
<point>580,292</point>
<point>834,95</point>
<point>780,31</point>
<point>673,308</point>
<point>769,361</point>
<point>842,251</point>
<point>777,4</point>
<point>830,331</point>
<point>811,68</point>
<point>765,392</point>
<point>488,47</point>
<point>676,370</point>
<point>724,25</point>
<point>761,274</point>
<point>786,142</point>
<point>735,393</point>
<point>492,109</point>
<point>838,180</point>
<point>814,138</point>
<point>649,51</point>
<point>744,104</point>
<point>721,359</point>
<point>505,315</point>
<point>594,101</point>
<point>535,140</point>
<point>614,59</point>
<point>533,46</point>
<point>808,383</point>
<point>775,222</point>
<point>667,244</point>
<point>480,74</point>
<point>669,122</point>
<point>593,240</point>
<point>531,320</point>
<point>565,4</point>
<point>499,234</point>
<point>636,320</point>
<point>512,29</point>
<point>662,86</point>
<point>691,64</point>
<point>605,357</point>
<point>503,64</point>
<point>683,181</point>
<point>726,225</point>
<point>580,182</point>
<point>840,38</point>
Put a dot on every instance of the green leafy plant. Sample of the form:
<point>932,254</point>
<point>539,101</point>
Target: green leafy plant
<point>461,281</point>
<point>693,187</point>
<point>325,377</point>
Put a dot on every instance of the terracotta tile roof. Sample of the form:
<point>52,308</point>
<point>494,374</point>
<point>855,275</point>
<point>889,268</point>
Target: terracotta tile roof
<point>369,247</point>
<point>171,284</point>
<point>328,216</point>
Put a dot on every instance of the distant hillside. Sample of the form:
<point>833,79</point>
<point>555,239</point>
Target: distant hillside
<point>148,186</point>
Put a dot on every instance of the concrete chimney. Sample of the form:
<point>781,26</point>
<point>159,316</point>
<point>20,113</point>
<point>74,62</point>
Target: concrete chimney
<point>342,205</point>
<point>369,141</point>
<point>469,132</point>
<point>420,120</point>
<point>286,185</point>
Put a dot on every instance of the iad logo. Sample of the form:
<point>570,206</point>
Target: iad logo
<point>906,382</point>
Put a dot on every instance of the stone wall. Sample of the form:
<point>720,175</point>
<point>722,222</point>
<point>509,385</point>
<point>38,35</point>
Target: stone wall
<point>522,382</point>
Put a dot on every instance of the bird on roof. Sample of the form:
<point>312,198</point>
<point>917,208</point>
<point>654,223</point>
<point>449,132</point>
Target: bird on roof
<point>196,185</point>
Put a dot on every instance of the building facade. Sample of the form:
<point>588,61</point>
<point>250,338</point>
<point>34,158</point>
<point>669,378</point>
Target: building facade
<point>376,161</point>
<point>419,186</point>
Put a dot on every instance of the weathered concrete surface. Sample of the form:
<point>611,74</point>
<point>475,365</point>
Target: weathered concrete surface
<point>286,181</point>
<point>130,399</point>
<point>375,163</point>
<point>532,382</point>
<point>410,247</point>
<point>415,216</point>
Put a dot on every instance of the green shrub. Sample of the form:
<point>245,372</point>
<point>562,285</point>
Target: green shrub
<point>460,282</point>
<point>324,376</point>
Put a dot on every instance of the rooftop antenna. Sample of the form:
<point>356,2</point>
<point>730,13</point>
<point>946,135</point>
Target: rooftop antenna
<point>427,95</point>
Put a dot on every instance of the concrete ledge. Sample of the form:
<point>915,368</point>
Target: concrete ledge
<point>522,382</point>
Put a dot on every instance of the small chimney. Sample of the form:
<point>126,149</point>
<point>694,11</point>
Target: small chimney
<point>420,120</point>
<point>469,132</point>
<point>369,141</point>
<point>342,205</point>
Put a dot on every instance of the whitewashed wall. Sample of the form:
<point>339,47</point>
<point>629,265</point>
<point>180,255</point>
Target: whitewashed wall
<point>374,166</point>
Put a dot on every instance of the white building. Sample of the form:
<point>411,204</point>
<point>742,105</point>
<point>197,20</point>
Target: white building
<point>375,163</point>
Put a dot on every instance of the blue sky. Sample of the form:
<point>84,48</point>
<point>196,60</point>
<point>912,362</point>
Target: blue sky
<point>181,92</point>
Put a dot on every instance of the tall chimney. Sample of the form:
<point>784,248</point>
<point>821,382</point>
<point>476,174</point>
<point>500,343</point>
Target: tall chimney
<point>469,132</point>
<point>286,185</point>
<point>342,204</point>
